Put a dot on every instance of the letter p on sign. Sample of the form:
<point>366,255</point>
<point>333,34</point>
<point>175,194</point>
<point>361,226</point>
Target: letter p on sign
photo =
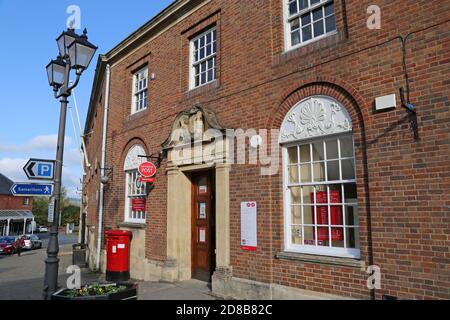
<point>44,170</point>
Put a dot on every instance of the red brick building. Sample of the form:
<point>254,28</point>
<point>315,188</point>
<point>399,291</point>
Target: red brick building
<point>353,187</point>
<point>15,212</point>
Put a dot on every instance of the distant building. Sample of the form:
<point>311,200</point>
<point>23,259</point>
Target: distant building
<point>16,214</point>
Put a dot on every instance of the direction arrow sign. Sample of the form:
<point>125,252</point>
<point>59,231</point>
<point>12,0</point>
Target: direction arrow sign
<point>32,190</point>
<point>37,169</point>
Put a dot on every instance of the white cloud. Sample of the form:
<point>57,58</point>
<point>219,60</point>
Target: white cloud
<point>39,143</point>
<point>13,168</point>
<point>71,182</point>
<point>72,157</point>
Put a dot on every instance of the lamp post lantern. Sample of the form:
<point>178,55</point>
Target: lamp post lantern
<point>75,53</point>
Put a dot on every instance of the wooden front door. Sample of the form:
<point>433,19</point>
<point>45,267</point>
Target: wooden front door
<point>203,233</point>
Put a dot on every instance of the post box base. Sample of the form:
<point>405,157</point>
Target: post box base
<point>117,276</point>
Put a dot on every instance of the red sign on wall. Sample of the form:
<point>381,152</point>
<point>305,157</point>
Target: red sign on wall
<point>138,204</point>
<point>147,180</point>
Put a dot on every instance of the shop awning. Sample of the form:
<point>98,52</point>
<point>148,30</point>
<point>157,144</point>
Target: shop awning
<point>15,214</point>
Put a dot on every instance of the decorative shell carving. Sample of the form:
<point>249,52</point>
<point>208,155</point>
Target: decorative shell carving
<point>314,117</point>
<point>133,161</point>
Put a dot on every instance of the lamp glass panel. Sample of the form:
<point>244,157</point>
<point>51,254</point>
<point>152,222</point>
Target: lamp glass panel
<point>50,74</point>
<point>63,44</point>
<point>81,55</point>
<point>58,74</point>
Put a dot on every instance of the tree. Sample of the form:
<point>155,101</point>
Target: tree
<point>40,210</point>
<point>69,212</point>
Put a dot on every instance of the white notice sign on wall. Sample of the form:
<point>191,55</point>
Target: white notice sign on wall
<point>249,235</point>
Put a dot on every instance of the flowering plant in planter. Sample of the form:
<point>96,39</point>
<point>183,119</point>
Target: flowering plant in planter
<point>97,291</point>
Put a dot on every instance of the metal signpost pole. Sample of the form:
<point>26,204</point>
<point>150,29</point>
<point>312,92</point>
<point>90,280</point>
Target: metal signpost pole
<point>52,261</point>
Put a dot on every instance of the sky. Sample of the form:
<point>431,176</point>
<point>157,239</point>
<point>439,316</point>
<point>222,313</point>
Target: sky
<point>29,114</point>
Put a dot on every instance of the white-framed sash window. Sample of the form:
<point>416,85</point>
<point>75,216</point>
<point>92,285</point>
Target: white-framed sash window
<point>140,91</point>
<point>319,178</point>
<point>203,50</point>
<point>133,188</point>
<point>307,21</point>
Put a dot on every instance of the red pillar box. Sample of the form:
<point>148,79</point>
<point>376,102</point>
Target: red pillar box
<point>118,255</point>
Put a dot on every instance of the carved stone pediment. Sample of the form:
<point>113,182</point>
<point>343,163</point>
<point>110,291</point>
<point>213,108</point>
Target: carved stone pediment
<point>191,125</point>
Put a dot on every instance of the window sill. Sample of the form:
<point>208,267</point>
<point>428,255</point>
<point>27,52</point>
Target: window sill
<point>132,225</point>
<point>335,261</point>
<point>290,48</point>
<point>210,86</point>
<point>137,115</point>
<point>313,47</point>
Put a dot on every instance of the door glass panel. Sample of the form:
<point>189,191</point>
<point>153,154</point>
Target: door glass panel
<point>202,235</point>
<point>202,210</point>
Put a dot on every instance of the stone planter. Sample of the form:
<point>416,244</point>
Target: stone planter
<point>130,293</point>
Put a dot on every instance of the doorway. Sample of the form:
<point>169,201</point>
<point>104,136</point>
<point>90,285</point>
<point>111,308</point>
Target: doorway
<point>203,225</point>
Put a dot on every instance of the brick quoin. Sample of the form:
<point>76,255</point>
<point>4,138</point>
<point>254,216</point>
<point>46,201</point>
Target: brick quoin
<point>403,184</point>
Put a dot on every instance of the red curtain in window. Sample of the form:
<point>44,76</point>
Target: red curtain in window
<point>337,234</point>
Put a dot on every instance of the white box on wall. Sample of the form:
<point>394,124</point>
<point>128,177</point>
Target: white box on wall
<point>386,102</point>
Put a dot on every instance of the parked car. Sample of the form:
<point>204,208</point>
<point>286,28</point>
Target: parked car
<point>32,242</point>
<point>42,229</point>
<point>8,245</point>
<point>37,243</point>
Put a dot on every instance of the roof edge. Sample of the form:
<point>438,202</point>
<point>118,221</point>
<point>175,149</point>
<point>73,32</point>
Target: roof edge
<point>119,49</point>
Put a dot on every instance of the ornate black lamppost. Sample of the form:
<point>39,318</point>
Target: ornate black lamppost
<point>75,53</point>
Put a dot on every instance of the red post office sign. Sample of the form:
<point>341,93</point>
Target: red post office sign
<point>147,180</point>
<point>147,169</point>
<point>138,204</point>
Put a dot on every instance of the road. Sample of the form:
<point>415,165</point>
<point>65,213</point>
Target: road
<point>22,278</point>
<point>63,239</point>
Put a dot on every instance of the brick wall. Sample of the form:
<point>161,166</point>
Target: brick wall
<point>15,203</point>
<point>403,185</point>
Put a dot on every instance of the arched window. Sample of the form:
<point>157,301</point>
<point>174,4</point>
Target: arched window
<point>320,194</point>
<point>133,188</point>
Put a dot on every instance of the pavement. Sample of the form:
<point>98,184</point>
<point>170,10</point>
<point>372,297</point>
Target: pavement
<point>22,278</point>
<point>188,290</point>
